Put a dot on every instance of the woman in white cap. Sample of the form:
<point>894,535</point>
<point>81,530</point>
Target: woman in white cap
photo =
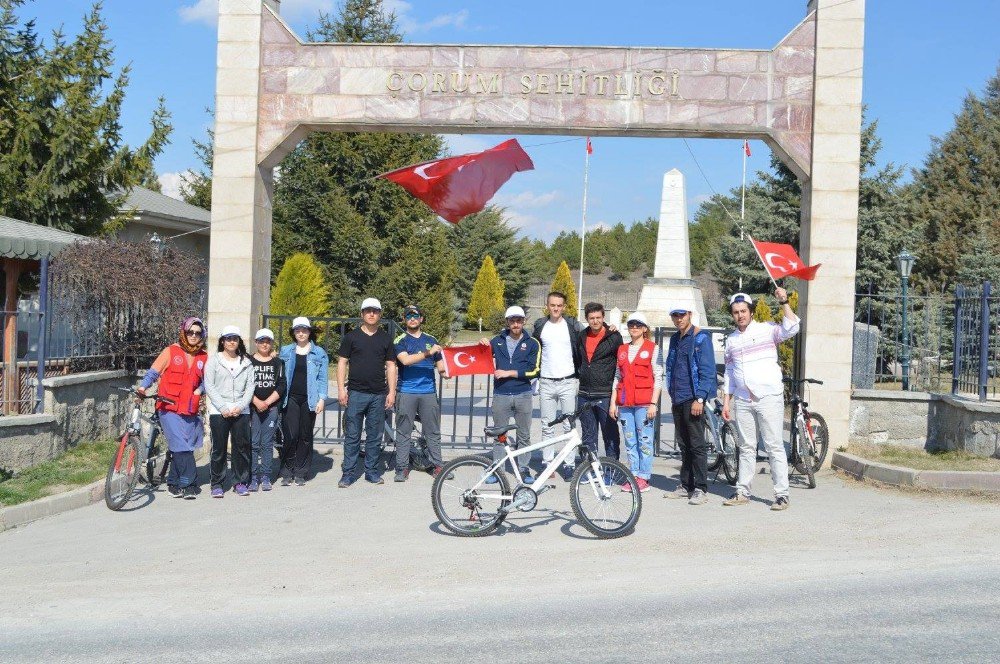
<point>268,393</point>
<point>229,385</point>
<point>636,390</point>
<point>306,378</point>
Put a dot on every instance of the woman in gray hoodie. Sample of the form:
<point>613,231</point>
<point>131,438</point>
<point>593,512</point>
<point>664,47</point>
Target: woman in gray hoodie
<point>229,384</point>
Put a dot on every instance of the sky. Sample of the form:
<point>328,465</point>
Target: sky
<point>921,58</point>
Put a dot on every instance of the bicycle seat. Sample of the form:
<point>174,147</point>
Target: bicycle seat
<point>495,431</point>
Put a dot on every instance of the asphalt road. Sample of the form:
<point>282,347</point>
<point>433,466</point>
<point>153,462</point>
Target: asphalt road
<point>317,573</point>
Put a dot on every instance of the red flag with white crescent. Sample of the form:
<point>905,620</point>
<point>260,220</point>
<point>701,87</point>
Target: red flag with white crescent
<point>468,360</point>
<point>781,260</point>
<point>746,147</point>
<point>458,186</point>
<point>590,147</point>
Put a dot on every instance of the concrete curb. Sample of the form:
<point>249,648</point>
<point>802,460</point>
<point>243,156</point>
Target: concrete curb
<point>25,513</point>
<point>946,480</point>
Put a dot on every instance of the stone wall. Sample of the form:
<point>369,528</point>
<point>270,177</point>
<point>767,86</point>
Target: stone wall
<point>77,408</point>
<point>929,421</point>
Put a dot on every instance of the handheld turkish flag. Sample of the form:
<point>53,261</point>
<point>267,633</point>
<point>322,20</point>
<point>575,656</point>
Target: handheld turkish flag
<point>780,260</point>
<point>458,186</point>
<point>468,360</point>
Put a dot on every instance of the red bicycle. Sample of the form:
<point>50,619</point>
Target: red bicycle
<point>133,453</point>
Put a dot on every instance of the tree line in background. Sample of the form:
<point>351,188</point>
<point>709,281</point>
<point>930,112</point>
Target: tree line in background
<point>63,163</point>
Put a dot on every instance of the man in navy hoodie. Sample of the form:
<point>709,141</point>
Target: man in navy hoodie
<point>517,357</point>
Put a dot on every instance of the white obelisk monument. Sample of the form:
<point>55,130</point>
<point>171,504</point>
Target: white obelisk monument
<point>671,283</point>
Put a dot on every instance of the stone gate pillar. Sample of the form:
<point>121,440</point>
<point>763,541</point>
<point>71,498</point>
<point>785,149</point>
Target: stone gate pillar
<point>240,254</point>
<point>830,209</point>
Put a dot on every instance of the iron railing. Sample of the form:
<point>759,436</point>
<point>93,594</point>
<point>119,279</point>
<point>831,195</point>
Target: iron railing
<point>18,363</point>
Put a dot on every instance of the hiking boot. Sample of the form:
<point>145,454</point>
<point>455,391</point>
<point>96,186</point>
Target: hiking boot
<point>175,491</point>
<point>736,499</point>
<point>526,475</point>
<point>265,483</point>
<point>190,492</point>
<point>345,482</point>
<point>680,493</point>
<point>401,475</point>
<point>217,492</point>
<point>254,485</point>
<point>300,481</point>
<point>780,503</point>
<point>241,490</point>
<point>698,498</point>
<point>286,481</point>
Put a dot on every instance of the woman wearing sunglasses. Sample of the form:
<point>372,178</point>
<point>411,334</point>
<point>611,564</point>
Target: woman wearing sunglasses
<point>179,370</point>
<point>229,383</point>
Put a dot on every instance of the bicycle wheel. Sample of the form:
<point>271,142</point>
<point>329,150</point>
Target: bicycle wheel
<point>420,460</point>
<point>607,516</point>
<point>123,472</point>
<point>730,453</point>
<point>805,459</point>
<point>820,436</point>
<point>711,444</point>
<point>465,505</point>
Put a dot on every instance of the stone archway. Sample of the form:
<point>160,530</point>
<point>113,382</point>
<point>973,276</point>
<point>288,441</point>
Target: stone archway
<point>803,98</point>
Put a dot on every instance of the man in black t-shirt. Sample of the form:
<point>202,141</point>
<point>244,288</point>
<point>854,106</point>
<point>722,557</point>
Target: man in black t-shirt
<point>367,392</point>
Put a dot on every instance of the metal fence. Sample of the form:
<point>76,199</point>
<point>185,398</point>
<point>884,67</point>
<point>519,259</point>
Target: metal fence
<point>465,400</point>
<point>19,371</point>
<point>975,348</point>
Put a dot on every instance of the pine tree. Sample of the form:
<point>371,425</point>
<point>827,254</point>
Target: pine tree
<point>301,289</point>
<point>196,187</point>
<point>980,262</point>
<point>63,162</point>
<point>487,301</point>
<point>563,283</point>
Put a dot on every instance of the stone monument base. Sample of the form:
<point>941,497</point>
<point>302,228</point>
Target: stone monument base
<point>659,294</point>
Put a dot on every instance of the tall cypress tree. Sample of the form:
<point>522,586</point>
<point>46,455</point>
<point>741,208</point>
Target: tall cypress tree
<point>487,300</point>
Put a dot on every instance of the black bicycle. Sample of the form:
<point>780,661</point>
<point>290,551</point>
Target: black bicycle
<point>133,454</point>
<point>809,438</point>
<point>420,459</point>
<point>723,454</point>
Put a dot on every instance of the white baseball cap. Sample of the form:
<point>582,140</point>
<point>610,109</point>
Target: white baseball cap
<point>514,311</point>
<point>371,303</point>
<point>301,321</point>
<point>264,333</point>
<point>741,297</point>
<point>638,317</point>
<point>230,331</point>
<point>679,308</point>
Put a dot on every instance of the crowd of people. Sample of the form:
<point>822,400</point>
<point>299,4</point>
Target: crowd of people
<point>613,380</point>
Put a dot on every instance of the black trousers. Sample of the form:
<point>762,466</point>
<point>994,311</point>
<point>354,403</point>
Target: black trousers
<point>297,426</point>
<point>689,432</point>
<point>237,431</point>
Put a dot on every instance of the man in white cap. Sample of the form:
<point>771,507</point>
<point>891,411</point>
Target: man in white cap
<point>367,393</point>
<point>516,357</point>
<point>754,394</point>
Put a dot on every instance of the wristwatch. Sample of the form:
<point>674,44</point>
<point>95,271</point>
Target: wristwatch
<point>700,400</point>
<point>782,302</point>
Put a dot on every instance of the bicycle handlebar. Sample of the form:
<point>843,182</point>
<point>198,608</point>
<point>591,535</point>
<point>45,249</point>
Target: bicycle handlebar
<point>566,416</point>
<point>143,397</point>
<point>799,381</point>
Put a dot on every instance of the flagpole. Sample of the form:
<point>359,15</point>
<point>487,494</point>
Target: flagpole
<point>743,199</point>
<point>583,227</point>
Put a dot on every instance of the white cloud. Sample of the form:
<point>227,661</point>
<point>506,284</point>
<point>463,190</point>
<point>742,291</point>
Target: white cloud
<point>411,25</point>
<point>529,199</point>
<point>207,11</point>
<point>171,184</point>
<point>464,144</point>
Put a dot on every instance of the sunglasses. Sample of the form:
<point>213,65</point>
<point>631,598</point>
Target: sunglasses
<point>371,311</point>
<point>411,316</point>
<point>230,338</point>
<point>193,333</point>
<point>633,323</point>
<point>515,319</point>
<point>264,340</point>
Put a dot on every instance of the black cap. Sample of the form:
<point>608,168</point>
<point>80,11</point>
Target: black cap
<point>412,309</point>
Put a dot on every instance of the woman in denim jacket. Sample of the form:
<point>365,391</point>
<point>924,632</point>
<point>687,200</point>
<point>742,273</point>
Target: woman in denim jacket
<point>307,376</point>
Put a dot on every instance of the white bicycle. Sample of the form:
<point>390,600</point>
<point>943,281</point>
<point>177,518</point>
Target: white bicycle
<point>473,494</point>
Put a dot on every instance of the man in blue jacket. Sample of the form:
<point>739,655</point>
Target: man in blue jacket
<point>690,377</point>
<point>517,357</point>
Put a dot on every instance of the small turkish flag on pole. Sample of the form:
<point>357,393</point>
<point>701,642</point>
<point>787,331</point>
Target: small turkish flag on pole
<point>781,260</point>
<point>468,360</point>
<point>746,147</point>
<point>590,148</point>
<point>458,186</point>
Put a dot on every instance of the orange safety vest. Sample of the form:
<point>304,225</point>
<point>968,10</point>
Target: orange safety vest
<point>179,381</point>
<point>636,387</point>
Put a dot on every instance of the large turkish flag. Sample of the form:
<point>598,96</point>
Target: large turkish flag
<point>468,360</point>
<point>780,260</point>
<point>458,186</point>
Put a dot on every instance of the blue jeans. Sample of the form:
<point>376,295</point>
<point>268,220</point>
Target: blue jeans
<point>594,417</point>
<point>371,409</point>
<point>638,433</point>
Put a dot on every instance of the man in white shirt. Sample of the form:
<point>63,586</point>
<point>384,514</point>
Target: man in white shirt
<point>754,395</point>
<point>558,383</point>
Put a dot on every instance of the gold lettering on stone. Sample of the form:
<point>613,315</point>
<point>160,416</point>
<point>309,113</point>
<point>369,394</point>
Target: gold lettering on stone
<point>494,84</point>
<point>440,82</point>
<point>457,76</point>
<point>619,90</point>
<point>602,80</point>
<point>564,84</point>
<point>653,87</point>
<point>543,84</point>
<point>673,83</point>
<point>413,85</point>
<point>583,84</point>
<point>526,83</point>
<point>389,85</point>
<point>636,83</point>
<point>626,83</point>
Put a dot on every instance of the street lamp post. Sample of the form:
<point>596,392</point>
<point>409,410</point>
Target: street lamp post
<point>904,262</point>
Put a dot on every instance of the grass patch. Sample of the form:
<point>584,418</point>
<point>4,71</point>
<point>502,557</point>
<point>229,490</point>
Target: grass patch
<point>918,459</point>
<point>79,466</point>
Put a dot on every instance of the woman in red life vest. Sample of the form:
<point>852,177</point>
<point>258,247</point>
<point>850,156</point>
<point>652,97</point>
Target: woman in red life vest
<point>636,390</point>
<point>180,368</point>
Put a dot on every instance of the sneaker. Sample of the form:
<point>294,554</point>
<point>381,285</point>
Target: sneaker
<point>627,487</point>
<point>344,482</point>
<point>680,493</point>
<point>437,471</point>
<point>241,490</point>
<point>265,483</point>
<point>190,492</point>
<point>566,472</point>
<point>780,503</point>
<point>526,476</point>
<point>643,484</point>
<point>174,491</point>
<point>254,485</point>
<point>375,479</point>
<point>401,475</point>
<point>698,498</point>
<point>736,499</point>
<point>300,481</point>
<point>286,481</point>
<point>609,476</point>
<point>492,479</point>
<point>217,492</point>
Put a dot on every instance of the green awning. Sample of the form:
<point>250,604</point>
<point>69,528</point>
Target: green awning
<point>19,239</point>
